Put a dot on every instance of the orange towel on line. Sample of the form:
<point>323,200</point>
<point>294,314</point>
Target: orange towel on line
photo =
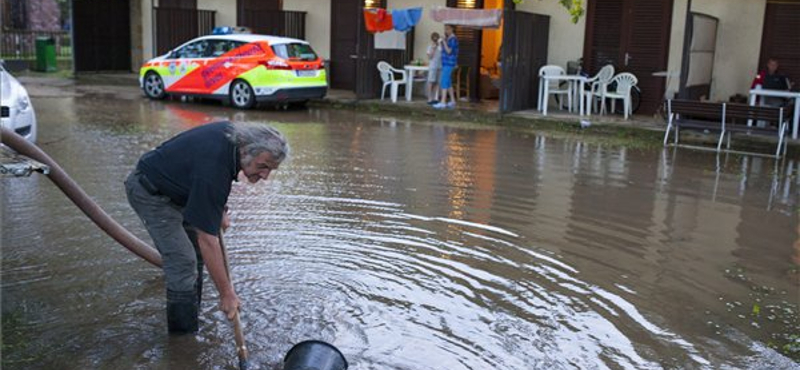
<point>378,20</point>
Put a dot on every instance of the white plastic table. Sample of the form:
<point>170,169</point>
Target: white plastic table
<point>410,72</point>
<point>779,94</point>
<point>573,80</point>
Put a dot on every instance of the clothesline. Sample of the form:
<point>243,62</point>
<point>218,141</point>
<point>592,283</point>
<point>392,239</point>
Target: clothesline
<point>478,18</point>
<point>403,20</point>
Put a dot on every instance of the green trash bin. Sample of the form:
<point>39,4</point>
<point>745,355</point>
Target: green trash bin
<point>45,54</point>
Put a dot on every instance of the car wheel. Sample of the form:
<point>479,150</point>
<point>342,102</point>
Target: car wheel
<point>242,95</point>
<point>154,86</point>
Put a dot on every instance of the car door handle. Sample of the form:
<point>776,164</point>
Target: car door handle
<point>353,56</point>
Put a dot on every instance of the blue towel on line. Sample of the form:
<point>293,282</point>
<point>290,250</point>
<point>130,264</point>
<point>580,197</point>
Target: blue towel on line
<point>404,19</point>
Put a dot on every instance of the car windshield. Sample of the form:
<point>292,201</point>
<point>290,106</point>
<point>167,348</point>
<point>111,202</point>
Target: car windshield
<point>197,49</point>
<point>294,51</point>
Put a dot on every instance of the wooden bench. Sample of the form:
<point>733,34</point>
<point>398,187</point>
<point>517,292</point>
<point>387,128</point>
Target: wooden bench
<point>726,118</point>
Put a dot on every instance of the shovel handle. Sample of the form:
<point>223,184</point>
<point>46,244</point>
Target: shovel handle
<point>241,348</point>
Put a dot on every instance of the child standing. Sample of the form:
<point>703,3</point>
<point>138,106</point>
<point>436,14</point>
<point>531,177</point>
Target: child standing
<point>434,68</point>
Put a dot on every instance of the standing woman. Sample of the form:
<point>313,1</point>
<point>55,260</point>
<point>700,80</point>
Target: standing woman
<point>449,61</point>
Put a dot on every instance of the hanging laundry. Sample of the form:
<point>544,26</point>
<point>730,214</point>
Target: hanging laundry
<point>405,19</point>
<point>394,40</point>
<point>377,20</point>
<point>478,18</point>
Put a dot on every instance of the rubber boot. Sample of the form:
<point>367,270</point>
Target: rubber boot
<point>182,311</point>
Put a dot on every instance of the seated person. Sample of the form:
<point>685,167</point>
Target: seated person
<point>771,79</point>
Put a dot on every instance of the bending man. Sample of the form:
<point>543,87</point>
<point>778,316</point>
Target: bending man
<point>180,191</point>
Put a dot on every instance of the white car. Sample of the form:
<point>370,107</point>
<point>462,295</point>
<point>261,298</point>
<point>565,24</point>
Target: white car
<point>17,111</point>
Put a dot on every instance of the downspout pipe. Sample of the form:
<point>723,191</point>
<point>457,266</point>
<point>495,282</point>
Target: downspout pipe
<point>688,31</point>
<point>74,192</point>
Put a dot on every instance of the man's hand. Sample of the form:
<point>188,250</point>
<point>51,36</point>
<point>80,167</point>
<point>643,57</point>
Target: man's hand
<point>226,220</point>
<point>229,303</point>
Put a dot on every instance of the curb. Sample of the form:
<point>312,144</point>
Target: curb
<point>623,133</point>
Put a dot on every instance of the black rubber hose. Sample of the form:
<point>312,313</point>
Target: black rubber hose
<point>74,192</point>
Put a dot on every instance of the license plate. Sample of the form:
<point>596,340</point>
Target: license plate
<point>306,73</point>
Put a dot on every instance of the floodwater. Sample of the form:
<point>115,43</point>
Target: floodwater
<point>414,246</point>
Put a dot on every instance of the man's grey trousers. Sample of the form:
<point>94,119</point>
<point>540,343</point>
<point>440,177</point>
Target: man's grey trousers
<point>177,243</point>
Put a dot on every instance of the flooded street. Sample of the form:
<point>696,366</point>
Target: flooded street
<point>414,246</point>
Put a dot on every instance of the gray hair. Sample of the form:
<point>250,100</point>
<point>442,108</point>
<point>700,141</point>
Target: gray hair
<point>255,138</point>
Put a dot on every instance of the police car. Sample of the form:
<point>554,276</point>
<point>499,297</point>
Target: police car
<point>241,68</point>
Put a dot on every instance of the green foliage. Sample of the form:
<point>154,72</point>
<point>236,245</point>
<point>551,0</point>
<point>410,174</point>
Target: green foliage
<point>575,8</point>
<point>792,348</point>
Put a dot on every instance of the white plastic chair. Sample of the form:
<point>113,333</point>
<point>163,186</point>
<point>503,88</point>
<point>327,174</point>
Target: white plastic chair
<point>598,87</point>
<point>553,87</point>
<point>625,81</point>
<point>389,77</point>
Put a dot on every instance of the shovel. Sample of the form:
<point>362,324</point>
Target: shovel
<point>237,325</point>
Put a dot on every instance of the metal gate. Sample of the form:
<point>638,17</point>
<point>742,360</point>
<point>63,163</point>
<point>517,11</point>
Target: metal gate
<point>525,37</point>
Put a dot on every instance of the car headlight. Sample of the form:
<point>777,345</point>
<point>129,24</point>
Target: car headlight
<point>23,103</point>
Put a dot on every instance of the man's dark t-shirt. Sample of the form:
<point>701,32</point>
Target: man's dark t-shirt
<point>195,170</point>
<point>775,82</point>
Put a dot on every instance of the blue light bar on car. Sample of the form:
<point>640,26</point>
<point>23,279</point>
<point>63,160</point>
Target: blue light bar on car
<point>227,30</point>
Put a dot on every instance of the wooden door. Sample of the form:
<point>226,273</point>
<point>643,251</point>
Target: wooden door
<point>781,38</point>
<point>699,50</point>
<point>469,45</point>
<point>261,16</point>
<point>525,40</point>
<point>102,35</point>
<point>243,6</point>
<point>633,35</point>
<point>345,20</point>
<point>368,83</point>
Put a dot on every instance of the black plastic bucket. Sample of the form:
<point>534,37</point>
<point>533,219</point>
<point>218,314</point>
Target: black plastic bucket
<point>314,355</point>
